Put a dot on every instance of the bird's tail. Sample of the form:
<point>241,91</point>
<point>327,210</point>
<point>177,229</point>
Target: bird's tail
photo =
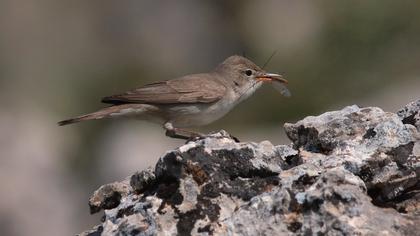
<point>103,113</point>
<point>74,120</point>
<point>112,111</point>
<point>91,116</point>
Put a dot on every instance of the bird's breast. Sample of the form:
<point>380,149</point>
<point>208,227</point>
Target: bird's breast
<point>199,114</point>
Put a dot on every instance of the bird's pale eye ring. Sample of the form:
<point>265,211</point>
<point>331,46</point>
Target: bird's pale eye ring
<point>248,72</point>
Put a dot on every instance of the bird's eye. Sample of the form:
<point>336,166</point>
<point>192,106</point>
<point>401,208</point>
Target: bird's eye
<point>248,72</point>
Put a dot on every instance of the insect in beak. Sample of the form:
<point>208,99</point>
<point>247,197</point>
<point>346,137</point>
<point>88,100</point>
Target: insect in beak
<point>279,83</point>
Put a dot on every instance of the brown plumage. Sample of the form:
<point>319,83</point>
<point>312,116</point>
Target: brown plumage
<point>188,101</point>
<point>188,89</point>
<point>103,113</point>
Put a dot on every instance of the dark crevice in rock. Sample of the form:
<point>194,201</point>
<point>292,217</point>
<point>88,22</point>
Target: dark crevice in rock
<point>294,226</point>
<point>135,232</point>
<point>371,168</point>
<point>236,175</point>
<point>378,200</point>
<point>409,203</point>
<point>310,140</point>
<point>366,173</point>
<point>130,210</point>
<point>387,195</point>
<point>205,229</point>
<point>245,189</point>
<point>166,188</point>
<point>254,173</point>
<point>376,194</point>
<point>187,220</point>
<point>172,167</point>
<point>409,193</point>
<point>409,120</point>
<point>168,191</point>
<point>370,133</point>
<point>410,114</point>
<point>96,231</point>
<point>396,186</point>
<point>108,196</point>
<point>111,201</point>
<point>292,161</point>
<point>313,205</point>
<point>337,198</point>
<point>304,182</point>
<point>400,154</point>
<point>125,212</point>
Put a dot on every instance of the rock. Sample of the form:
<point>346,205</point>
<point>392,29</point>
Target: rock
<point>108,196</point>
<point>410,114</point>
<point>348,172</point>
<point>96,231</point>
<point>142,180</point>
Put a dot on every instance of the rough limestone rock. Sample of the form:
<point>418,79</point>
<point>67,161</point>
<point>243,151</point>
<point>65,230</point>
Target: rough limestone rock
<point>349,172</point>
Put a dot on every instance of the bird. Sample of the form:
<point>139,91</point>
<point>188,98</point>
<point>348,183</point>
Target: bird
<point>189,101</point>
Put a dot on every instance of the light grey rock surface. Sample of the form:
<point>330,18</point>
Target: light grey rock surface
<point>348,172</point>
<point>410,114</point>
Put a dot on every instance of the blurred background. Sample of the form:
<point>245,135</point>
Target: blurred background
<point>59,58</point>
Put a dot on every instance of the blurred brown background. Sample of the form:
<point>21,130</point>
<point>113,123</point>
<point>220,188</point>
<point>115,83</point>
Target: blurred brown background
<point>58,58</point>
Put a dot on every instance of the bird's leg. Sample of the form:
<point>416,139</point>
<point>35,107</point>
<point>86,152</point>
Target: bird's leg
<point>180,133</point>
<point>172,133</point>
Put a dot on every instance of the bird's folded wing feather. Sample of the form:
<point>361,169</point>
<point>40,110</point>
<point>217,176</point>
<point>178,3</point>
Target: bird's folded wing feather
<point>199,88</point>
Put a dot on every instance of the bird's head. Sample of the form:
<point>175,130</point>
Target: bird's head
<point>245,77</point>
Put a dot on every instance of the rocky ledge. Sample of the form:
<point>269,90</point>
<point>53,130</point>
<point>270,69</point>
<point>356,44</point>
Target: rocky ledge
<point>349,172</point>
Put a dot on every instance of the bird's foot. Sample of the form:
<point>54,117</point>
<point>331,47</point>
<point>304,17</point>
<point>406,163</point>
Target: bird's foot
<point>191,135</point>
<point>174,134</point>
<point>182,134</point>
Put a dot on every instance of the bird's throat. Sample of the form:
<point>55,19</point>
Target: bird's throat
<point>248,90</point>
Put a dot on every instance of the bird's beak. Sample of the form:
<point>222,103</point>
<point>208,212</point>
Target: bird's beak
<point>270,77</point>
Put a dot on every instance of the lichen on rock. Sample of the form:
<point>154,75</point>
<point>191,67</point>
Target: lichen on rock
<point>349,172</point>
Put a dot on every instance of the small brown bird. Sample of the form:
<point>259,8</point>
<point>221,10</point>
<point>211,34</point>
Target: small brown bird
<point>191,100</point>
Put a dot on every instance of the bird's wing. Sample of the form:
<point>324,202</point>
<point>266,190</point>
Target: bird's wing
<point>201,88</point>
